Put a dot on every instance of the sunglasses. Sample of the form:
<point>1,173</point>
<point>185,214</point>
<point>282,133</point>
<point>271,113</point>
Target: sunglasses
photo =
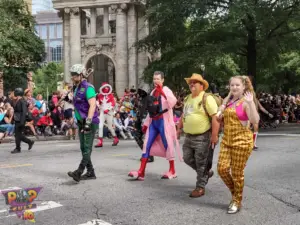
<point>194,82</point>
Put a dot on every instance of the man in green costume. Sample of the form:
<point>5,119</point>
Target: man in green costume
<point>87,120</point>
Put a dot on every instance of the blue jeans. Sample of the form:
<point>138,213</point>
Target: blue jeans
<point>10,128</point>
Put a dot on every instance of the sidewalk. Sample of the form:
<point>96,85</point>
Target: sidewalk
<point>288,128</point>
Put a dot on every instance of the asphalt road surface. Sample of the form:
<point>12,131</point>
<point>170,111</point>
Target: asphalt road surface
<point>271,194</point>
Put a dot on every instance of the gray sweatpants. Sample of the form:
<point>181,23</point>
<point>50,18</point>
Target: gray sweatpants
<point>196,153</point>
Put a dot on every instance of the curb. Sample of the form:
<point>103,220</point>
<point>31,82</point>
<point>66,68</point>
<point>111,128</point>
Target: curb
<point>41,138</point>
<point>9,140</point>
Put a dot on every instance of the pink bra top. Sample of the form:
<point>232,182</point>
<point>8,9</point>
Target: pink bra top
<point>240,112</point>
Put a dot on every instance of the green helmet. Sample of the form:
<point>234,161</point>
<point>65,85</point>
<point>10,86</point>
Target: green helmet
<point>78,69</point>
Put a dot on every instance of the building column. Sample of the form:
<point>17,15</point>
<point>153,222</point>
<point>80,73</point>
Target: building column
<point>142,55</point>
<point>66,27</point>
<point>121,50</point>
<point>105,21</point>
<point>132,39</point>
<point>93,22</point>
<point>75,31</point>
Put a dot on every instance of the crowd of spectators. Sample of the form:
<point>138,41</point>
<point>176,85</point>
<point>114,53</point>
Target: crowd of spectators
<point>55,116</point>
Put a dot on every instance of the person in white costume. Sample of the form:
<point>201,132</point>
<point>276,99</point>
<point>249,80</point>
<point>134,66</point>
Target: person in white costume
<point>106,103</point>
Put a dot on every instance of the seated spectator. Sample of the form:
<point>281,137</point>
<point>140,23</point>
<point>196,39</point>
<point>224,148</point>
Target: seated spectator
<point>129,125</point>
<point>40,104</point>
<point>2,134</point>
<point>28,97</point>
<point>70,125</point>
<point>7,122</point>
<point>120,127</point>
<point>45,124</point>
<point>127,104</point>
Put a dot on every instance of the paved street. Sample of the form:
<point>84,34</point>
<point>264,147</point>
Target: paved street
<point>272,191</point>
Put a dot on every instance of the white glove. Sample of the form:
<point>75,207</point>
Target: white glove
<point>270,115</point>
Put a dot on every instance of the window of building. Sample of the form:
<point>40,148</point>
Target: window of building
<point>43,31</point>
<point>37,29</point>
<point>59,30</point>
<point>52,31</point>
<point>56,51</point>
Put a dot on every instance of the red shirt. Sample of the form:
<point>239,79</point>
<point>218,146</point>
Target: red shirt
<point>35,112</point>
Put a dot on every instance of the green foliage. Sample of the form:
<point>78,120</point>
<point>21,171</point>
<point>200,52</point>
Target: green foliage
<point>229,37</point>
<point>14,77</point>
<point>19,46</point>
<point>20,49</point>
<point>47,77</point>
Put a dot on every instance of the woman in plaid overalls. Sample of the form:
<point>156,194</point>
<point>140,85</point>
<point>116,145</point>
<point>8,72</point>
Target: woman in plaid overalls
<point>237,112</point>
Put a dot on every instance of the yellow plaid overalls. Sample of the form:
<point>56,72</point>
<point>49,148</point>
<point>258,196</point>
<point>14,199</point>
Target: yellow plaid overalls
<point>236,147</point>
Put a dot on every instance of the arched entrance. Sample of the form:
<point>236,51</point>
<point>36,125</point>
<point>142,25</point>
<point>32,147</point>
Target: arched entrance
<point>104,71</point>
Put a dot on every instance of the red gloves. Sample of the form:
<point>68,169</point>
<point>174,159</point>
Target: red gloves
<point>144,129</point>
<point>160,91</point>
<point>106,111</point>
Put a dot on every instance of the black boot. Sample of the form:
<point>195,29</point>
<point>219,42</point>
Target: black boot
<point>77,173</point>
<point>151,159</point>
<point>15,151</point>
<point>90,174</point>
<point>30,145</point>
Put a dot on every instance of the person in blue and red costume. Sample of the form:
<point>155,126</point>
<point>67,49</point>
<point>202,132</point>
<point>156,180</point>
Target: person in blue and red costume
<point>159,126</point>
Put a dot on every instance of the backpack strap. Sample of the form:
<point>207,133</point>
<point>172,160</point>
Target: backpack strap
<point>203,103</point>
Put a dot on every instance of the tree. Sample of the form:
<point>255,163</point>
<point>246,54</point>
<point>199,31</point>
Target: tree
<point>253,32</point>
<point>20,49</point>
<point>47,77</point>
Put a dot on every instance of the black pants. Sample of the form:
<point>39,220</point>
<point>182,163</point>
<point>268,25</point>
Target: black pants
<point>138,134</point>
<point>19,135</point>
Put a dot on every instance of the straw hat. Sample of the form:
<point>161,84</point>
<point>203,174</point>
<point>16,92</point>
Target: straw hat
<point>199,78</point>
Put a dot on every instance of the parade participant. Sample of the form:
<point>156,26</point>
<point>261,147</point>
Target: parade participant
<point>20,114</point>
<point>199,108</point>
<point>141,104</point>
<point>87,120</point>
<point>160,128</point>
<point>237,143</point>
<point>107,104</point>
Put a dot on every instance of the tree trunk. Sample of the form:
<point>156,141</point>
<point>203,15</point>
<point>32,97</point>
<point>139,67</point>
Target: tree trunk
<point>1,84</point>
<point>251,55</point>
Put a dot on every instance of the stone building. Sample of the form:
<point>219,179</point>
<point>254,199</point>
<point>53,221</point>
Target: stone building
<point>101,35</point>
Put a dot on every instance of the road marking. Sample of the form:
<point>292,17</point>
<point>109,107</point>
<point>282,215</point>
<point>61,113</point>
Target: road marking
<point>10,188</point>
<point>287,135</point>
<point>42,207</point>
<point>96,222</point>
<point>4,166</point>
<point>120,155</point>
